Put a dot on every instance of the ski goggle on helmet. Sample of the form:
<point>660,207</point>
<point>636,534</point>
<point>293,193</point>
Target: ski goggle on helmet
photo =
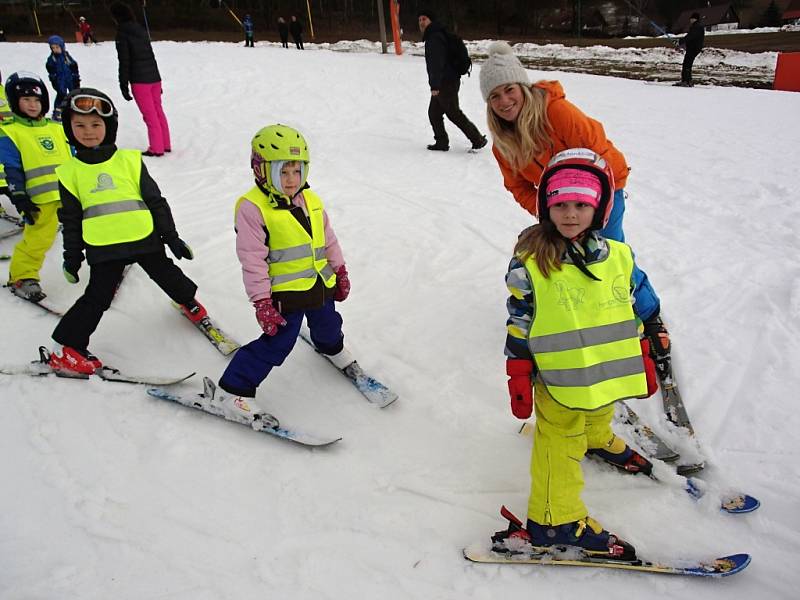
<point>272,147</point>
<point>579,159</point>
<point>85,104</point>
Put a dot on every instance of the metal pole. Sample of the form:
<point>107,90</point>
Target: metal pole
<point>382,25</point>
<point>310,22</point>
<point>144,14</point>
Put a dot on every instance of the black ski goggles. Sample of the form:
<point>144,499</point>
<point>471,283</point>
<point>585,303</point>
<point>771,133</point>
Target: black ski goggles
<point>86,104</point>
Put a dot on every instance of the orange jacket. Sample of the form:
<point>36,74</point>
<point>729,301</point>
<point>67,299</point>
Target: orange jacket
<point>571,129</point>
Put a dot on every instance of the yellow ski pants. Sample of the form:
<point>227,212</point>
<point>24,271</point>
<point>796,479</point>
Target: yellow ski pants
<point>36,240</point>
<point>560,440</point>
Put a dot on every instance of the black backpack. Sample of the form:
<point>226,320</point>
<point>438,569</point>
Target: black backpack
<point>458,54</point>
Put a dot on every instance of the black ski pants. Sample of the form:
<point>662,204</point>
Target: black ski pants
<point>688,61</point>
<point>80,322</point>
<point>445,103</point>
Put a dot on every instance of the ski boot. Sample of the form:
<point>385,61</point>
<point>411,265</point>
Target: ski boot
<point>622,456</point>
<point>238,408</point>
<point>194,311</point>
<point>342,360</point>
<point>586,534</point>
<point>660,346</point>
<point>73,362</point>
<point>28,289</point>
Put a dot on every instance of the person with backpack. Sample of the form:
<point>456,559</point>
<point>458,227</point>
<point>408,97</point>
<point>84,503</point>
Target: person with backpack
<point>442,52</point>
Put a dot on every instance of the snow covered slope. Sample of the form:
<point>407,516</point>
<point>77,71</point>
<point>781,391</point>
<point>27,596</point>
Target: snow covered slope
<point>108,493</point>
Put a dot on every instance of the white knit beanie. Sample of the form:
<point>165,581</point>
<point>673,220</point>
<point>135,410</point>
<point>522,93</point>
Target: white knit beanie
<point>500,68</point>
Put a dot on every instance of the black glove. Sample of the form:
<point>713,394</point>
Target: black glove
<point>660,345</point>
<point>71,267</point>
<point>25,207</point>
<point>180,248</point>
<point>4,191</point>
<point>123,87</point>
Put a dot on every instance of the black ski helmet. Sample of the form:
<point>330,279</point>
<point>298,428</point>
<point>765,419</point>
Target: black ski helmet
<point>68,111</point>
<point>25,83</point>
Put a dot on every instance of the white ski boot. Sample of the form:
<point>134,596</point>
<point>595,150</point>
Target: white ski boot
<point>237,408</point>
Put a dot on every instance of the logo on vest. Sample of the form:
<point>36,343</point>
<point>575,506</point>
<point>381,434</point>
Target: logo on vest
<point>570,298</point>
<point>620,293</point>
<point>104,183</point>
<point>47,143</point>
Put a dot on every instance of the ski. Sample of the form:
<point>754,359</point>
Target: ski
<point>372,389</point>
<point>645,437</point>
<point>734,504</point>
<point>40,368</point>
<point>42,303</point>
<point>218,338</point>
<point>516,550</point>
<point>676,414</point>
<point>264,423</point>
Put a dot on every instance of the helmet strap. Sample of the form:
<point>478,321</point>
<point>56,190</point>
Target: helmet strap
<point>577,260</point>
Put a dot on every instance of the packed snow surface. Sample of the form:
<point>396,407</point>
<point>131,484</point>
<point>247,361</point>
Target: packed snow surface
<point>109,493</point>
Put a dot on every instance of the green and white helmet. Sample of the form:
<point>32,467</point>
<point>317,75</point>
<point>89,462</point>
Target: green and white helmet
<point>272,147</point>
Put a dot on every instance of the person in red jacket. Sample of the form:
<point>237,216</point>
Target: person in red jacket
<point>86,31</point>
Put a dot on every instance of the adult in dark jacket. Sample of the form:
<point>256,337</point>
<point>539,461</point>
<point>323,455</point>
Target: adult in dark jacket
<point>283,31</point>
<point>137,67</point>
<point>444,82</point>
<point>692,42</point>
<point>296,29</point>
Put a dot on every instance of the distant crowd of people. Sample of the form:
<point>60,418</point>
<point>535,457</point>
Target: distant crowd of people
<point>294,28</point>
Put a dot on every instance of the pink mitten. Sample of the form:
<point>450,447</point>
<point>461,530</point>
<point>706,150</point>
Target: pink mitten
<point>342,285</point>
<point>268,317</point>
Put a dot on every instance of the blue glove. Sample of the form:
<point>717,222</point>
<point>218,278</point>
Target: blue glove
<point>180,248</point>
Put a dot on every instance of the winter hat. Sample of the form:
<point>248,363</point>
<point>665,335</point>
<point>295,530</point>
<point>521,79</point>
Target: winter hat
<point>56,40</point>
<point>425,12</point>
<point>695,15</point>
<point>574,185</point>
<point>121,12</point>
<point>500,68</point>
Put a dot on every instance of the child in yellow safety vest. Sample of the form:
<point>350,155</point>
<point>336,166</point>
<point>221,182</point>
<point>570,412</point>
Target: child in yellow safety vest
<point>113,212</point>
<point>292,266</point>
<point>31,147</point>
<point>573,339</point>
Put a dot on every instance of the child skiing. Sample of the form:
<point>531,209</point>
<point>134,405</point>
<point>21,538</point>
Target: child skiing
<point>573,343</point>
<point>31,147</point>
<point>63,72</point>
<point>292,266</point>
<point>114,212</point>
<point>247,25</point>
<point>86,31</point>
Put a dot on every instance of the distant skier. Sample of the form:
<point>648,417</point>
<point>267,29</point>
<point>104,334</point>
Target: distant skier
<point>113,212</point>
<point>573,343</point>
<point>296,29</point>
<point>692,42</point>
<point>63,72</point>
<point>283,31</point>
<point>292,266</point>
<point>247,25</point>
<point>86,31</point>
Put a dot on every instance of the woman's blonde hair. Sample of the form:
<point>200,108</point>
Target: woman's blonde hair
<point>524,139</point>
<point>545,244</point>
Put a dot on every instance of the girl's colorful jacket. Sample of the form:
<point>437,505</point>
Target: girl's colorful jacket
<point>62,68</point>
<point>252,248</point>
<point>521,304</point>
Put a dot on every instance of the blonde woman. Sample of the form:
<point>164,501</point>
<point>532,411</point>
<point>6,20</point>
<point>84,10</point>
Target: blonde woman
<point>532,122</point>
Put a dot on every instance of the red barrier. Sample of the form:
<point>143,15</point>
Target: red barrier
<point>787,72</point>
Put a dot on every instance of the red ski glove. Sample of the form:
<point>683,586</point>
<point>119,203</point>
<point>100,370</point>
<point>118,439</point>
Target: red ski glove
<point>649,367</point>
<point>268,318</point>
<point>520,386</point>
<point>342,285</point>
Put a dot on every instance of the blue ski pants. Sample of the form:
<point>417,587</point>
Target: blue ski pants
<point>252,363</point>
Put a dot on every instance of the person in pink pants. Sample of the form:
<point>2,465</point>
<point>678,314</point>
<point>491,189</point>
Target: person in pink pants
<point>148,99</point>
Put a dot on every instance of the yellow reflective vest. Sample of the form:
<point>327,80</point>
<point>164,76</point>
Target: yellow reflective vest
<point>584,335</point>
<point>42,146</point>
<point>113,209</point>
<point>5,107</point>
<point>295,258</point>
